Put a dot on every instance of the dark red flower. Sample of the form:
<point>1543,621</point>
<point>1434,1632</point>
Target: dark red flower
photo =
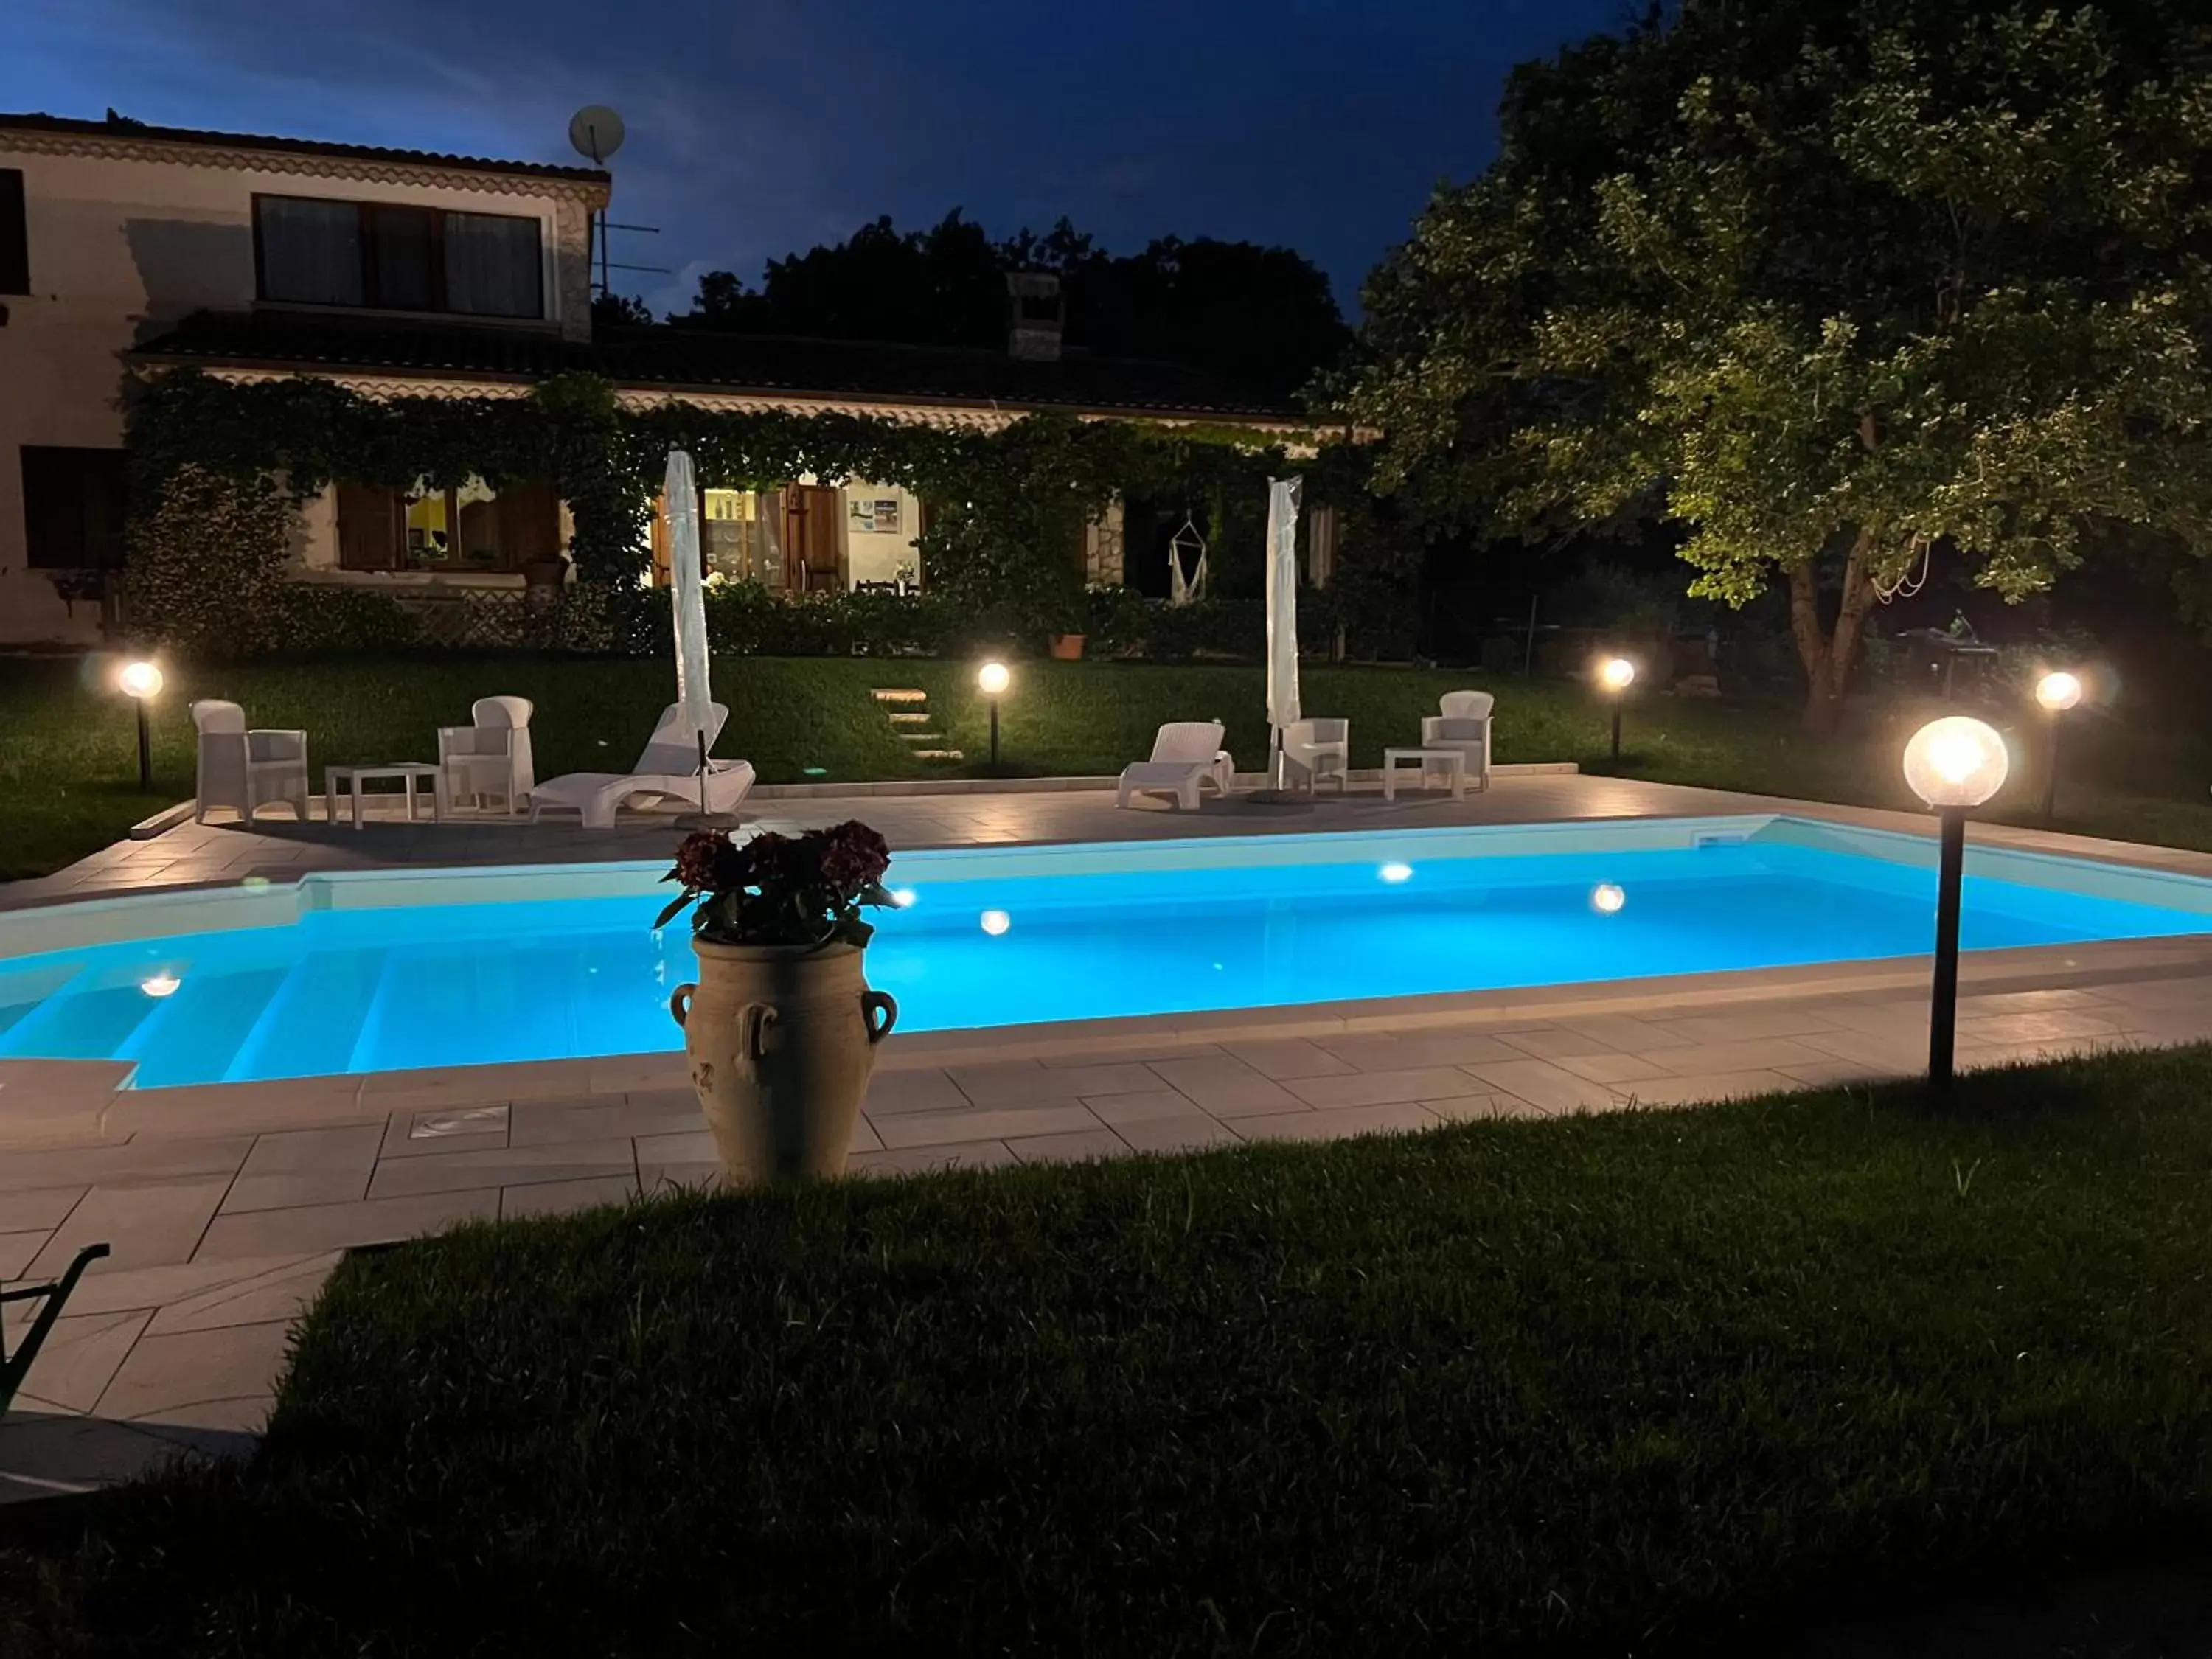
<point>854,855</point>
<point>699,859</point>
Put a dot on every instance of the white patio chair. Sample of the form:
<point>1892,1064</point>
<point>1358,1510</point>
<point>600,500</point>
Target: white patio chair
<point>1186,755</point>
<point>1318,748</point>
<point>668,770</point>
<point>491,756</point>
<point>245,770</point>
<point>1464,725</point>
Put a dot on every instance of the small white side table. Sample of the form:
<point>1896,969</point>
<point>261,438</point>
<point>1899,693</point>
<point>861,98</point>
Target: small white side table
<point>407,774</point>
<point>1453,761</point>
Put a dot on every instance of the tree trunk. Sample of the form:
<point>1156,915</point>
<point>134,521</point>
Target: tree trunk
<point>1829,654</point>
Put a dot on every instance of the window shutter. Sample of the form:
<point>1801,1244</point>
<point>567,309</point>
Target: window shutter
<point>15,233</point>
<point>368,527</point>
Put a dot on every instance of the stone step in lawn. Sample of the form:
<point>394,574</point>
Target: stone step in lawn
<point>909,717</point>
<point>897,693</point>
<point>938,754</point>
<point>923,737</point>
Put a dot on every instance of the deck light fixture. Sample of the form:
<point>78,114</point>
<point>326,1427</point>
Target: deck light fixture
<point>1394,872</point>
<point>162,984</point>
<point>993,679</point>
<point>2058,692</point>
<point>141,682</point>
<point>1615,675</point>
<point>994,922</point>
<point>1955,764</point>
<point>1607,899</point>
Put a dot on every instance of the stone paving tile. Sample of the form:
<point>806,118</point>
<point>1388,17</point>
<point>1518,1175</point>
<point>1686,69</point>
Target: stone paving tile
<point>1285,1058</point>
<point>1746,1025</point>
<point>305,1166</point>
<point>1698,1088</point>
<point>1022,1082</point>
<point>469,1086</point>
<point>2193,993</point>
<point>281,1292</point>
<point>143,1224</point>
<point>41,1209</point>
<point>908,1160</point>
<point>1823,1073</point>
<point>1222,1085</point>
<point>1177,1134</point>
<point>1543,1083</point>
<point>1338,1123</point>
<point>2057,1025</point>
<point>912,1089</point>
<point>1152,1107</point>
<point>508,1166</point>
<point>665,1112</point>
<point>152,1159</point>
<point>1886,1021</point>
<point>1405,1051</point>
<point>1754,1054</point>
<point>2170,1024</point>
<point>657,1178</point>
<point>1380,1088</point>
<point>1904,1050</point>
<point>17,1251</point>
<point>336,1226</point>
<point>2031,1002</point>
<point>556,1197</point>
<point>946,1129</point>
<point>1612,1068</point>
<point>1069,1148</point>
<point>165,1373</point>
<point>1627,1032</point>
<point>1555,1043</point>
<point>685,1147</point>
<point>43,1453</point>
<point>81,1354</point>
<point>623,1074</point>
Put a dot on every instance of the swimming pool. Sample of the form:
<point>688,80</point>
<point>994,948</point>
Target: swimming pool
<point>390,970</point>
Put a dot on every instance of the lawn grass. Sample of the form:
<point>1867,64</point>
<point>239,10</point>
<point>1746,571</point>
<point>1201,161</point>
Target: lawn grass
<point>68,761</point>
<point>1646,1382</point>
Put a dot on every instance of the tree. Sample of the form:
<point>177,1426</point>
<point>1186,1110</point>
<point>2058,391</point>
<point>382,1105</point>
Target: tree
<point>1263,317</point>
<point>620,311</point>
<point>1836,288</point>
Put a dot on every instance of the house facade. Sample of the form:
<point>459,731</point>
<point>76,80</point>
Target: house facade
<point>128,251</point>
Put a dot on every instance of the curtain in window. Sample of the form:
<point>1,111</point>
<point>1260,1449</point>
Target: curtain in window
<point>310,250</point>
<point>492,265</point>
<point>401,236</point>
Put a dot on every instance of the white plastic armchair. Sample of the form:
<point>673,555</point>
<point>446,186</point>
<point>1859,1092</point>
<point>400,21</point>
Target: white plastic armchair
<point>1186,756</point>
<point>491,756</point>
<point>1463,724</point>
<point>1318,748</point>
<point>245,770</point>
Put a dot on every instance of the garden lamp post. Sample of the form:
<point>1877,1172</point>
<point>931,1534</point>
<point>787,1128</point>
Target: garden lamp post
<point>992,678</point>
<point>1616,675</point>
<point>1953,764</point>
<point>141,682</point>
<point>2058,692</point>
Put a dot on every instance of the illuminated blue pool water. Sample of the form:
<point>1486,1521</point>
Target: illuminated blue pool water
<point>1005,937</point>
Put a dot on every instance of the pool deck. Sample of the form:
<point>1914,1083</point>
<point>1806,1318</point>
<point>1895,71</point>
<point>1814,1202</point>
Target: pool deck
<point>227,1204</point>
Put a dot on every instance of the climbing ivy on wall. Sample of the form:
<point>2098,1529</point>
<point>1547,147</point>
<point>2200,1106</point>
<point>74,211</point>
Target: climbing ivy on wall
<point>1010,500</point>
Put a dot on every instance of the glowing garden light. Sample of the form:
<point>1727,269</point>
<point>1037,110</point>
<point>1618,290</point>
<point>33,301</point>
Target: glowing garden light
<point>993,679</point>
<point>1955,764</point>
<point>2058,692</point>
<point>994,922</point>
<point>1394,873</point>
<point>141,682</point>
<point>163,984</point>
<point>1607,899</point>
<point>1614,676</point>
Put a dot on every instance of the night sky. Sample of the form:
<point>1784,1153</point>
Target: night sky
<point>761,126</point>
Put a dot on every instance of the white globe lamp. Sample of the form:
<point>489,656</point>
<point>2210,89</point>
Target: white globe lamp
<point>1955,764</point>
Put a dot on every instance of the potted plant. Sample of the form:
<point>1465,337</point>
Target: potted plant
<point>544,576</point>
<point>781,1028</point>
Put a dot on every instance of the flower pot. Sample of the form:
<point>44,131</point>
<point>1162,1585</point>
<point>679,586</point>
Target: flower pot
<point>782,1041</point>
<point>1068,647</point>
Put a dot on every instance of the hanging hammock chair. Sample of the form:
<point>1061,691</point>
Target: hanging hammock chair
<point>1186,554</point>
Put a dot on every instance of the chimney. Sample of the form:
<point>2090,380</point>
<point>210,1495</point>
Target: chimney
<point>1034,313</point>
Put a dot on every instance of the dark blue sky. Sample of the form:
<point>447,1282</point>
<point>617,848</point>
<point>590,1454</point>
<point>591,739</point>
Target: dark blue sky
<point>759,126</point>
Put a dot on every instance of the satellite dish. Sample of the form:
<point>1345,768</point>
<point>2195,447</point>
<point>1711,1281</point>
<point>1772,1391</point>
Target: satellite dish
<point>595,131</point>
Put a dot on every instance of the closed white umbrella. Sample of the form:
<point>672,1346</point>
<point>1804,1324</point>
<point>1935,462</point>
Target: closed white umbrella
<point>693,692</point>
<point>1282,616</point>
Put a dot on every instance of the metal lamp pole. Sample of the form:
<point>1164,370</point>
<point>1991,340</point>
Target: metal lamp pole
<point>1616,675</point>
<point>1944,996</point>
<point>141,682</point>
<point>993,678</point>
<point>2058,692</point>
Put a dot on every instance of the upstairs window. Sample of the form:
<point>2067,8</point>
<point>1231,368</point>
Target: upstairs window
<point>389,257</point>
<point>15,234</point>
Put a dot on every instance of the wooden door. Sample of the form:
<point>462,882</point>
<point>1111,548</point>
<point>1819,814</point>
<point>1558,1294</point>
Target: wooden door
<point>810,534</point>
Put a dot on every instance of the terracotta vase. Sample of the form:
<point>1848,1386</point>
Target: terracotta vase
<point>1068,647</point>
<point>781,1042</point>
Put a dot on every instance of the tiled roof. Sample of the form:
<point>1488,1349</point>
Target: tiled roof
<point>679,359</point>
<point>40,123</point>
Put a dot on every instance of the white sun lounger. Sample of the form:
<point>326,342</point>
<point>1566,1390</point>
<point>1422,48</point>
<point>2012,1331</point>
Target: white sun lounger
<point>1186,755</point>
<point>668,770</point>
